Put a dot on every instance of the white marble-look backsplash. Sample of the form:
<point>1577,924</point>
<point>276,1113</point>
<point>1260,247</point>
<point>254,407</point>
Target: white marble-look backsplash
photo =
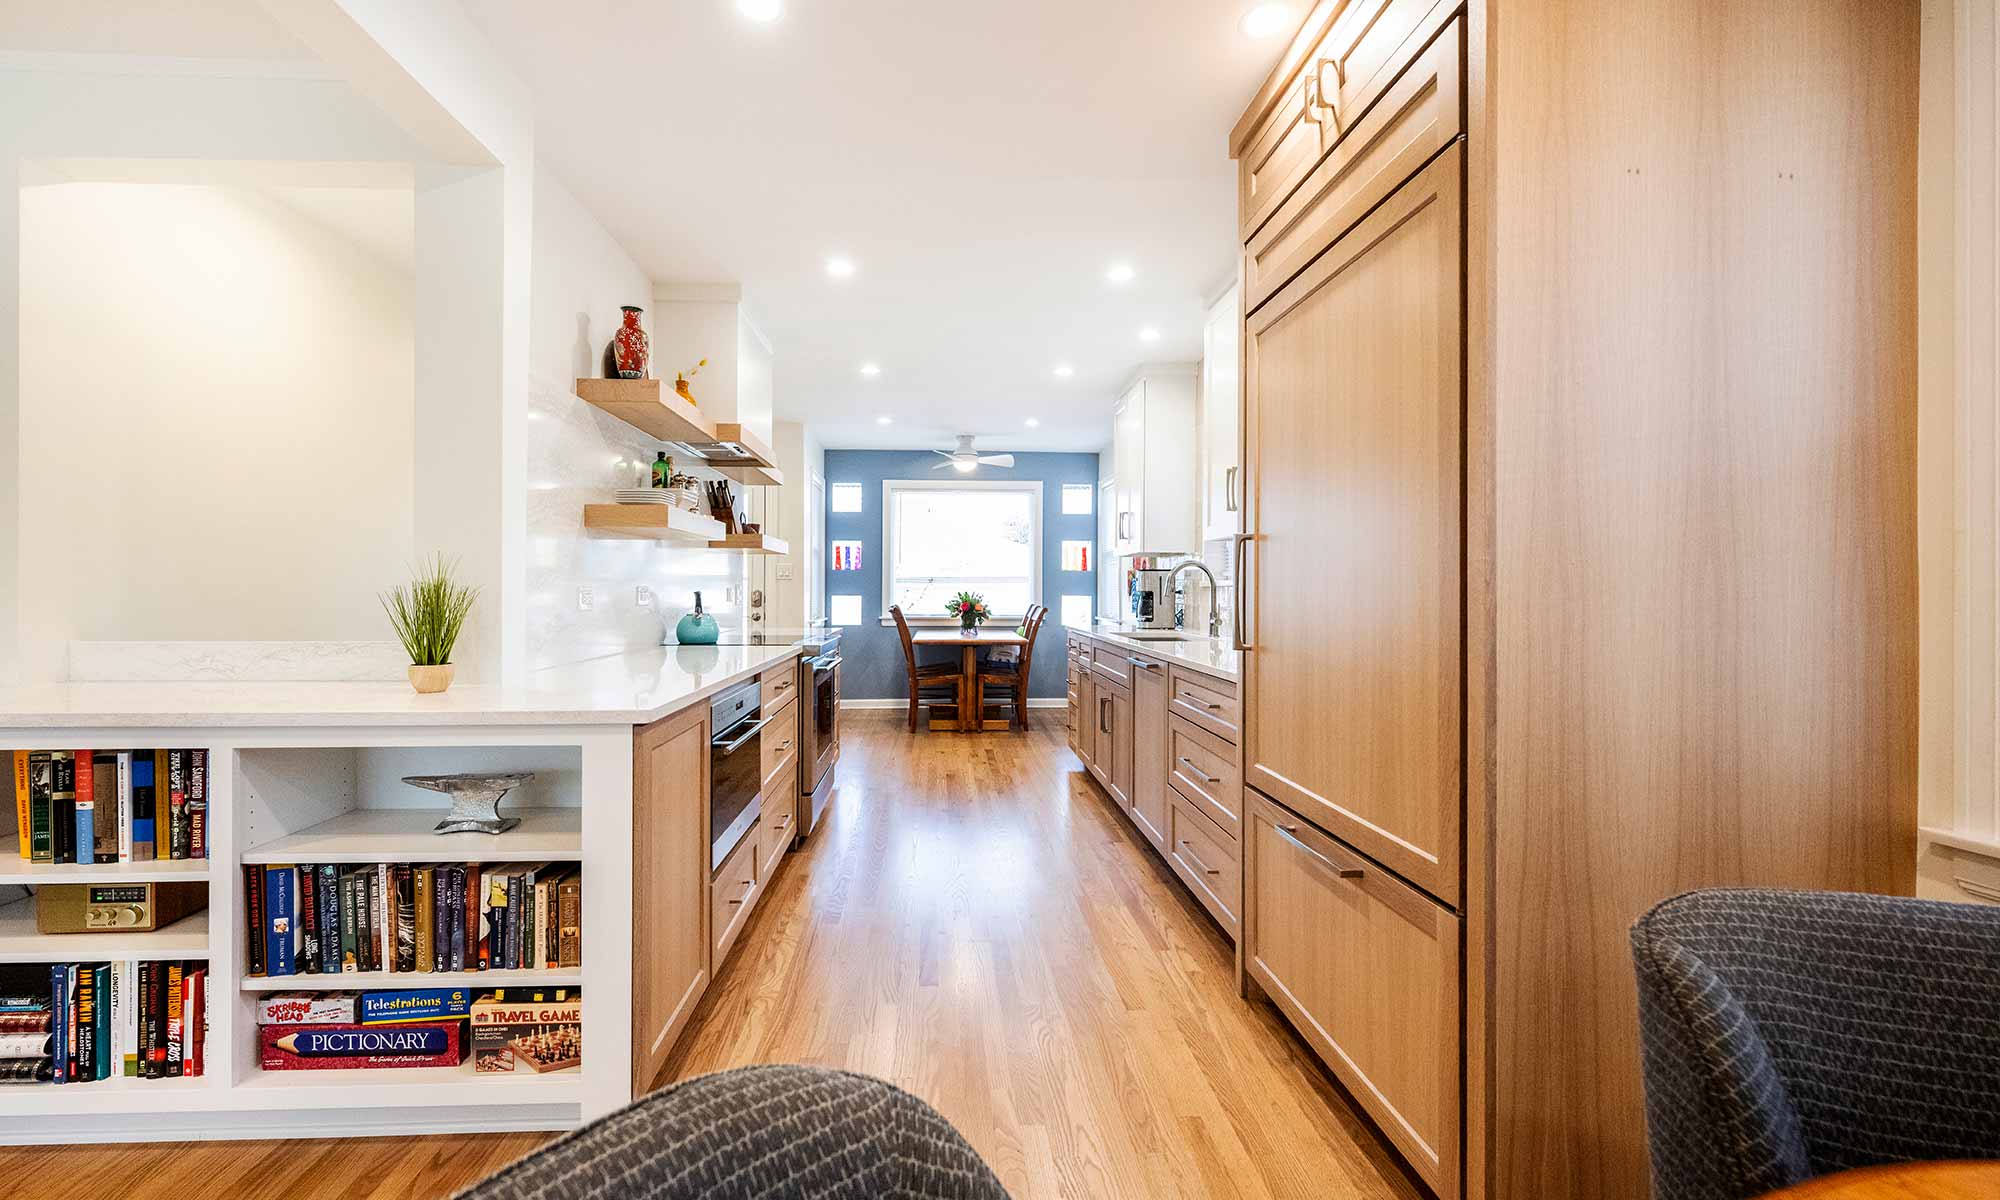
<point>287,662</point>
<point>577,456</point>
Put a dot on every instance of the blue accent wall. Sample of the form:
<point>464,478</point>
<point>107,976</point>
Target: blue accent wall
<point>872,655</point>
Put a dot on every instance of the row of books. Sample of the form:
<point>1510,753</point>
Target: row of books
<point>91,1021</point>
<point>512,1030</point>
<point>106,806</point>
<point>420,918</point>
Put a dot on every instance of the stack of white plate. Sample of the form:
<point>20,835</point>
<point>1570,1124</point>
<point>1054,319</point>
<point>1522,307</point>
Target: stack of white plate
<point>644,495</point>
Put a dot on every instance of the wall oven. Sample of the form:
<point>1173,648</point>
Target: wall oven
<point>819,681</point>
<point>735,768</point>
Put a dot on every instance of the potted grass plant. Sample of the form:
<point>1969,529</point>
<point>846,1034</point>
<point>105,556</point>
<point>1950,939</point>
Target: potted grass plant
<point>428,616</point>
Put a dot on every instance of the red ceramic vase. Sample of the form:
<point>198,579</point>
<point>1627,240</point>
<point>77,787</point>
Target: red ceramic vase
<point>630,349</point>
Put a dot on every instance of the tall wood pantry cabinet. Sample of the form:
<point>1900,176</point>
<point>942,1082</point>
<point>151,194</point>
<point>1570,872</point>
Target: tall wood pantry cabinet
<point>1577,566</point>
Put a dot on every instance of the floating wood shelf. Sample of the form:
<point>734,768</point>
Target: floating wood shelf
<point>752,543</point>
<point>653,522</point>
<point>655,409</point>
<point>648,406</point>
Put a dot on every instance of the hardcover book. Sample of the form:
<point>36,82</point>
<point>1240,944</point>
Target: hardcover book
<point>104,789</point>
<point>143,801</point>
<point>83,807</point>
<point>197,804</point>
<point>162,818</point>
<point>329,919</point>
<point>176,1022</point>
<point>62,803</point>
<point>177,800</point>
<point>281,904</point>
<point>21,822</point>
<point>41,807</point>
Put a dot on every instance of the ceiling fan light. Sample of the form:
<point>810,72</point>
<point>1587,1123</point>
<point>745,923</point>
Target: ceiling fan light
<point>963,464</point>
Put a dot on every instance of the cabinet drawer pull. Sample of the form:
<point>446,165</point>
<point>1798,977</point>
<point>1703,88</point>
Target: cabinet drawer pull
<point>747,885</point>
<point>1187,852</point>
<point>1189,764</point>
<point>1142,664</point>
<point>1288,832</point>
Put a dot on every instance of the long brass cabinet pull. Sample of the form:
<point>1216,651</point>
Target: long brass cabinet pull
<point>1236,572</point>
<point>1189,764</point>
<point>1289,832</point>
<point>1194,858</point>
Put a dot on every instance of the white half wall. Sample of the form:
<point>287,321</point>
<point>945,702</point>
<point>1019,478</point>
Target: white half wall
<point>216,402</point>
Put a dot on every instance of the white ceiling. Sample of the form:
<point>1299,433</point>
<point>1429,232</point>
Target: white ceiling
<point>983,164</point>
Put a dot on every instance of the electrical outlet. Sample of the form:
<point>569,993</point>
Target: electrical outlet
<point>729,594</point>
<point>643,595</point>
<point>784,570</point>
<point>586,598</point>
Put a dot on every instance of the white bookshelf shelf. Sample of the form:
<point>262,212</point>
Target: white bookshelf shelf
<point>20,871</point>
<point>378,835</point>
<point>413,1086</point>
<point>119,1094</point>
<point>365,981</point>
<point>21,942</point>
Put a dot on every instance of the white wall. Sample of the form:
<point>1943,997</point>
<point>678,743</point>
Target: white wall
<point>577,455</point>
<point>216,401</point>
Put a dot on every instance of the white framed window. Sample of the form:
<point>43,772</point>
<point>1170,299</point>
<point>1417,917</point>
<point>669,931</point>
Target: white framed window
<point>1076,611</point>
<point>942,537</point>
<point>847,497</point>
<point>1076,499</point>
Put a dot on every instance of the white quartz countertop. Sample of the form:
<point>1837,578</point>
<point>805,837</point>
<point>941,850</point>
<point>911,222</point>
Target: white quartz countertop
<point>625,689</point>
<point>1210,656</point>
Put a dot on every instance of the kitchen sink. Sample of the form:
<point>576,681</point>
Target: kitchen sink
<point>1158,635</point>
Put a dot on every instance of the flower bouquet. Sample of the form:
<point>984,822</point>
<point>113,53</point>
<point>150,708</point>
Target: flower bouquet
<point>971,610</point>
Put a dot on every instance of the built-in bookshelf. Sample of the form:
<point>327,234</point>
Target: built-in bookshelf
<point>320,796</point>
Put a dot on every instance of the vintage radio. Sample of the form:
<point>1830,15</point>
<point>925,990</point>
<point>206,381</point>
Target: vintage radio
<point>115,907</point>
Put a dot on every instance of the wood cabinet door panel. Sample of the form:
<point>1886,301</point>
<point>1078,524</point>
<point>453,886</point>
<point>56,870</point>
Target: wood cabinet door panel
<point>1207,860</point>
<point>1366,967</point>
<point>1149,751</point>
<point>670,899</point>
<point>1202,767</point>
<point>1353,417</point>
<point>1421,113</point>
<point>1114,746</point>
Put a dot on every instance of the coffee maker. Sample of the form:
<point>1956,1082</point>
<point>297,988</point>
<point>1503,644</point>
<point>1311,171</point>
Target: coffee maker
<point>1151,602</point>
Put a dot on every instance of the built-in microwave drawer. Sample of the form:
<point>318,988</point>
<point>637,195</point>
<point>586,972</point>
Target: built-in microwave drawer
<point>1420,114</point>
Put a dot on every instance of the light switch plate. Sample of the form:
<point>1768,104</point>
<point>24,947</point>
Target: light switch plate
<point>784,570</point>
<point>586,598</point>
<point>643,596</point>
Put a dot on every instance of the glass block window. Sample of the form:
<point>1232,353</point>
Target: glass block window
<point>1076,499</point>
<point>847,556</point>
<point>845,610</point>
<point>1076,556</point>
<point>1076,611</point>
<point>847,497</point>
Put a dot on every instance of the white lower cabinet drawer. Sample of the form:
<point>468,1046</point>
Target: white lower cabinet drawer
<point>1366,968</point>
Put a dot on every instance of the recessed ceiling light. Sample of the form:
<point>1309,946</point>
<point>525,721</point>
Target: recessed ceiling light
<point>870,370</point>
<point>1149,334</point>
<point>1120,273</point>
<point>1064,371</point>
<point>882,420</point>
<point>839,267</point>
<point>1265,20</point>
<point>1032,422</point>
<point>760,10</point>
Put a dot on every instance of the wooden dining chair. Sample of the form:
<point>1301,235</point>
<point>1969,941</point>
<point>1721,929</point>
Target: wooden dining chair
<point>930,677</point>
<point>1011,673</point>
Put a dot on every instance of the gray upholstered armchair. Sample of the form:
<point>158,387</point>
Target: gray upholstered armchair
<point>1793,1034</point>
<point>758,1132</point>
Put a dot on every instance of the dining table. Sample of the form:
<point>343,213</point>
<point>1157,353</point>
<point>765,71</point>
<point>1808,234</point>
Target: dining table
<point>1902,1181</point>
<point>971,714</point>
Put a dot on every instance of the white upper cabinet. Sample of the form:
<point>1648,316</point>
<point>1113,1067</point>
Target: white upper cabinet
<point>1221,381</point>
<point>1156,445</point>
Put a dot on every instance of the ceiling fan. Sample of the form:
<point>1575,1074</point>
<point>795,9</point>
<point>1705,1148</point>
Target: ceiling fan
<point>965,458</point>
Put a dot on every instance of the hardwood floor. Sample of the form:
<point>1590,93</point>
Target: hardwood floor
<point>977,924</point>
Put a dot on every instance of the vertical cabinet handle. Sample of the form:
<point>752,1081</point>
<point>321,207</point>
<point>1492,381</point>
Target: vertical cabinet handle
<point>1237,572</point>
<point>1229,503</point>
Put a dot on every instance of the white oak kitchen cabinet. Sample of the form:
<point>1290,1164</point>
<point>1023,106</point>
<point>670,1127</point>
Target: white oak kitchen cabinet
<point>1554,597</point>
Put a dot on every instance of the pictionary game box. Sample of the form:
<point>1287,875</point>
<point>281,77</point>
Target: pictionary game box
<point>349,1046</point>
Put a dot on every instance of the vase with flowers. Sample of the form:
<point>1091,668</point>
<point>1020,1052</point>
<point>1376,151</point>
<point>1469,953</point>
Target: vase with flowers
<point>971,610</point>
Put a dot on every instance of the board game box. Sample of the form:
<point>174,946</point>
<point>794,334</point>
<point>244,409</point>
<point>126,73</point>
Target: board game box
<point>521,1029</point>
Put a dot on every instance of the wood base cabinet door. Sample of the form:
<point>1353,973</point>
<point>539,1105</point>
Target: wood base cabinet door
<point>1149,751</point>
<point>1366,968</point>
<point>670,958</point>
<point>1114,745</point>
<point>1353,428</point>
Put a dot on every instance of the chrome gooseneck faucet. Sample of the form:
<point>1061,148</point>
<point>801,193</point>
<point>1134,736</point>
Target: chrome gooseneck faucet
<point>1214,595</point>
